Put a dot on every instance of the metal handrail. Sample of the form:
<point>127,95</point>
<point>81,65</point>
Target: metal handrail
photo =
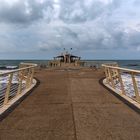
<point>119,68</point>
<point>14,82</point>
<point>20,69</point>
<point>113,76</point>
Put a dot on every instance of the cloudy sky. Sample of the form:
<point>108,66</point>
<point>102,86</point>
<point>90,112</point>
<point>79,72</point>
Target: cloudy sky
<point>95,29</point>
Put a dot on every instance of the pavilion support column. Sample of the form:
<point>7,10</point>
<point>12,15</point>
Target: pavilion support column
<point>69,60</point>
<point>64,59</point>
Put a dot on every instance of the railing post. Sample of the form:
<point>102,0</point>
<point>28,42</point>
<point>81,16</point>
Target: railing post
<point>0,84</point>
<point>121,81</point>
<point>110,77</point>
<point>32,75</point>
<point>135,87</point>
<point>106,75</point>
<point>8,89</point>
<point>21,75</point>
<point>28,79</point>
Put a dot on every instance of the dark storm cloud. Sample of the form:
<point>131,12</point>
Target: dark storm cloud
<point>70,11</point>
<point>80,11</point>
<point>22,11</point>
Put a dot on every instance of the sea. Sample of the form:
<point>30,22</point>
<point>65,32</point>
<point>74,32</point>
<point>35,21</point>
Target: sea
<point>131,64</point>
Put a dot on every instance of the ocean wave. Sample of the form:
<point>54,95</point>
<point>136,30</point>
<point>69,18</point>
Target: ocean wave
<point>5,78</point>
<point>8,67</point>
<point>128,84</point>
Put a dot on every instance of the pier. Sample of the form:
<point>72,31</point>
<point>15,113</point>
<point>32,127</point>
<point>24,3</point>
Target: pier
<point>71,104</point>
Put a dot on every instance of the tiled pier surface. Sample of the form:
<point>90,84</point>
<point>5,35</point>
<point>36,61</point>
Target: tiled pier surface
<point>71,105</point>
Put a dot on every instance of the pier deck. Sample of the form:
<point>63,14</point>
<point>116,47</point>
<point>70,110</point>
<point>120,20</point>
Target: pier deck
<point>71,105</point>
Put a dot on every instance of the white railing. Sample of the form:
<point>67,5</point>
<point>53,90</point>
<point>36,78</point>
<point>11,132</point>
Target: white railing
<point>126,81</point>
<point>14,82</point>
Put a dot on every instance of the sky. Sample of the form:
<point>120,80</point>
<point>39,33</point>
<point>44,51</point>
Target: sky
<point>94,29</point>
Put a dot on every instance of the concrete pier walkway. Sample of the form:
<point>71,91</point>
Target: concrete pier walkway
<point>71,105</point>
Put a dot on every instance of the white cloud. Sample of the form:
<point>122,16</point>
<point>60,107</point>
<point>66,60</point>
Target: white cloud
<point>9,2</point>
<point>106,1</point>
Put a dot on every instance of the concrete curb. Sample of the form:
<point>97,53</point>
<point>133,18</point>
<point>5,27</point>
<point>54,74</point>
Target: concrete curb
<point>125,99</point>
<point>15,103</point>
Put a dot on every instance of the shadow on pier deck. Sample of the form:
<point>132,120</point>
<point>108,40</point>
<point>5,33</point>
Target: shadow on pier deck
<point>71,105</point>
